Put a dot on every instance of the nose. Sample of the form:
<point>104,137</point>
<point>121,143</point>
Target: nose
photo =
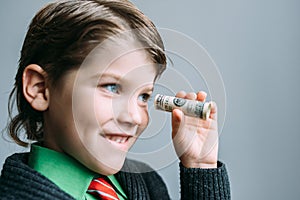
<point>130,114</point>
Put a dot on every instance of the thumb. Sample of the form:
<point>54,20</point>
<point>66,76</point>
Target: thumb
<point>177,118</point>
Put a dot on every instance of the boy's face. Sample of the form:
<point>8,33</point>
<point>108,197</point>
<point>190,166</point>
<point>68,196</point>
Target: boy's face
<point>97,112</point>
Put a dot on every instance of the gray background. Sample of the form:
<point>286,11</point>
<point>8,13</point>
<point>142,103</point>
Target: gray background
<point>256,47</point>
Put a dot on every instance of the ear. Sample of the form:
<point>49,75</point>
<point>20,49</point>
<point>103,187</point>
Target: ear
<point>34,87</point>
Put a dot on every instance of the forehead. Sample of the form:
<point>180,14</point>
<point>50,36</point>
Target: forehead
<point>122,62</point>
<point>133,64</point>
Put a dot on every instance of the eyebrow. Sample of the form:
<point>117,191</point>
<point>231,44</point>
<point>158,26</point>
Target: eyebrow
<point>149,88</point>
<point>100,75</point>
<point>119,77</point>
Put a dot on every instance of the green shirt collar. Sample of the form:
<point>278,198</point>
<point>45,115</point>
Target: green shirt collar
<point>66,172</point>
<point>70,175</point>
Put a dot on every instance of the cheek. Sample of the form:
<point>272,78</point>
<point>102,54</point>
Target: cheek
<point>145,120</point>
<point>85,112</point>
<point>102,110</point>
<point>146,117</point>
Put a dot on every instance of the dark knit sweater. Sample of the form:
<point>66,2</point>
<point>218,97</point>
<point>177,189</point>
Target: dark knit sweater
<point>19,181</point>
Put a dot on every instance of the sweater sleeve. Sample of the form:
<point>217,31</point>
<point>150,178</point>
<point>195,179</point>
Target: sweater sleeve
<point>202,184</point>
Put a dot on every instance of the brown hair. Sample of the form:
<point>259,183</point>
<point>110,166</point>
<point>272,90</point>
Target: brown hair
<point>59,38</point>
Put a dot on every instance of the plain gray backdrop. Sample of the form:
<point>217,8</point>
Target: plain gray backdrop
<point>256,45</point>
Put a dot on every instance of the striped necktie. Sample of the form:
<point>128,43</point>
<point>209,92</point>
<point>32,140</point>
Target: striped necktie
<point>101,187</point>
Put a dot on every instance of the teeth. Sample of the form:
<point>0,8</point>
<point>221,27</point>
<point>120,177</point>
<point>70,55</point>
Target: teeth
<point>123,140</point>
<point>117,139</point>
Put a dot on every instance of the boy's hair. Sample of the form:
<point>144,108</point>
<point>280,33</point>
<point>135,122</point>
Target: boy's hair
<point>59,38</point>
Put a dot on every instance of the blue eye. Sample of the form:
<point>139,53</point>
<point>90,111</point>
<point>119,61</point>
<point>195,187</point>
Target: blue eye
<point>144,97</point>
<point>114,88</point>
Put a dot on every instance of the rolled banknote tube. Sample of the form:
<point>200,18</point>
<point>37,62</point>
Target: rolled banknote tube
<point>190,108</point>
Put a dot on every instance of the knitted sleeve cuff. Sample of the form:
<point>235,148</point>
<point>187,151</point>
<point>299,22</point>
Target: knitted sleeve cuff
<point>204,183</point>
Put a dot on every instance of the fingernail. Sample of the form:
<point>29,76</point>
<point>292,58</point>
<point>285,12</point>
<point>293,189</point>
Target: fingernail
<point>195,96</point>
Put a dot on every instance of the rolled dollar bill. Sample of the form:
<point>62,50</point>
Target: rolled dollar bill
<point>191,108</point>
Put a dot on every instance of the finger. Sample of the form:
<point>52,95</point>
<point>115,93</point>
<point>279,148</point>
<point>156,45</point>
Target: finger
<point>213,110</point>
<point>177,117</point>
<point>181,94</point>
<point>208,124</point>
<point>191,96</point>
<point>201,96</point>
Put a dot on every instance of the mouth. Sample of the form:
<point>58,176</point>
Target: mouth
<point>121,141</point>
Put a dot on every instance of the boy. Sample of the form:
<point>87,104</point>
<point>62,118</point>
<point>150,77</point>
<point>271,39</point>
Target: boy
<point>86,72</point>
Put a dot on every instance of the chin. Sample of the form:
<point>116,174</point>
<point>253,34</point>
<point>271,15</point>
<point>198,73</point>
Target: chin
<point>109,171</point>
<point>103,161</point>
<point>107,166</point>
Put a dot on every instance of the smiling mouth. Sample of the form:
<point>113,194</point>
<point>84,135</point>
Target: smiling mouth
<point>117,138</point>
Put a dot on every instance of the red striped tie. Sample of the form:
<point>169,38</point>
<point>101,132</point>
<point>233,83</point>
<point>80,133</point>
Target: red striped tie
<point>101,187</point>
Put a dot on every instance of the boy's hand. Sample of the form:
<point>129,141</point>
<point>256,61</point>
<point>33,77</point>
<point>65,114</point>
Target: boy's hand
<point>195,140</point>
